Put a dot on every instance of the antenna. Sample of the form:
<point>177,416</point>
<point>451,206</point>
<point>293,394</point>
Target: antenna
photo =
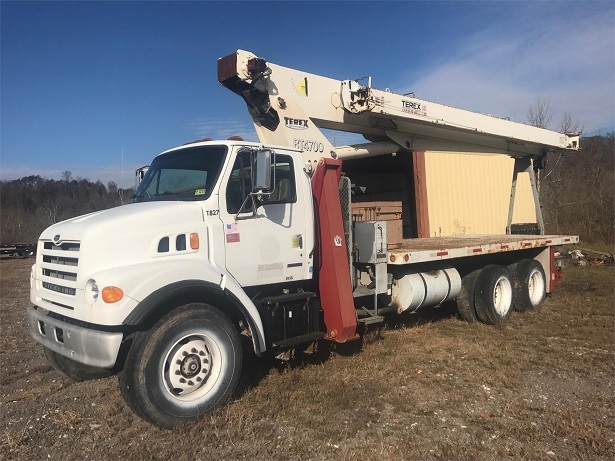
<point>121,189</point>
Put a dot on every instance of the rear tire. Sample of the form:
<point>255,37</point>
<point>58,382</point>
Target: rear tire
<point>529,285</point>
<point>465,298</point>
<point>493,295</point>
<point>186,366</point>
<point>75,370</point>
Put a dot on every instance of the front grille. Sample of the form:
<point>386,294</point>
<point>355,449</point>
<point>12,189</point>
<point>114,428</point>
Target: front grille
<point>59,264</point>
<point>65,246</point>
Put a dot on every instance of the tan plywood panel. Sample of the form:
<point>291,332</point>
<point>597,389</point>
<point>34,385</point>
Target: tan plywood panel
<point>470,194</point>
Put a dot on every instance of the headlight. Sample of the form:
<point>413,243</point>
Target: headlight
<point>91,290</point>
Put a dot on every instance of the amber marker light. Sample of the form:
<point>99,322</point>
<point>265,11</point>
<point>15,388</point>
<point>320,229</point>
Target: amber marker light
<point>112,294</point>
<point>392,258</point>
<point>194,241</point>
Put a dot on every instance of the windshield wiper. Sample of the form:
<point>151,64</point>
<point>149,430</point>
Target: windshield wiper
<point>140,197</point>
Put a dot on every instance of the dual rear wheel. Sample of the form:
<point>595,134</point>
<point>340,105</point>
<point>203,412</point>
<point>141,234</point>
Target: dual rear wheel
<point>491,294</point>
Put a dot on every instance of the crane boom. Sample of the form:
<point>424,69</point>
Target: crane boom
<point>290,107</point>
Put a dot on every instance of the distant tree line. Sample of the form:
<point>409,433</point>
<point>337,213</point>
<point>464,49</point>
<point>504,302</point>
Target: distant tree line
<point>29,205</point>
<point>577,189</point>
<point>577,193</point>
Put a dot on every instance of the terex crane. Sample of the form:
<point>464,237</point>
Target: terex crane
<point>227,240</point>
<point>289,107</point>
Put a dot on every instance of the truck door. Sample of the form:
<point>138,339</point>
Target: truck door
<point>269,246</point>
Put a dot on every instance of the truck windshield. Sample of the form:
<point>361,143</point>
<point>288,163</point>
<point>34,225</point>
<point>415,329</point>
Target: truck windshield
<point>186,174</point>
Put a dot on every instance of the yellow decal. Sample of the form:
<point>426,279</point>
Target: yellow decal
<point>199,192</point>
<point>302,87</point>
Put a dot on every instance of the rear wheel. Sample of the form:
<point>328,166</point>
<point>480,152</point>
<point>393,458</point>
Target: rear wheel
<point>75,370</point>
<point>529,285</point>
<point>185,366</point>
<point>465,298</point>
<point>493,295</point>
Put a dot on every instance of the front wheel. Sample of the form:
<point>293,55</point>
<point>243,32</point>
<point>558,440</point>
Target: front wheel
<point>185,366</point>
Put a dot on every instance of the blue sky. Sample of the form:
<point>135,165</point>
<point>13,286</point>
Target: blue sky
<point>99,88</point>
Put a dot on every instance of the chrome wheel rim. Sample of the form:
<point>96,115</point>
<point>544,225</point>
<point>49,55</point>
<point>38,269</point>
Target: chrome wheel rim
<point>536,287</point>
<point>502,296</point>
<point>191,367</point>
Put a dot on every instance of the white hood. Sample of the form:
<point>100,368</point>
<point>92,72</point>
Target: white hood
<point>127,234</point>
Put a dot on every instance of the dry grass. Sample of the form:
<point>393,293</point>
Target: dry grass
<point>429,387</point>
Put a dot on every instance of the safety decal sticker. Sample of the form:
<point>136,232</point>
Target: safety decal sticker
<point>337,240</point>
<point>232,233</point>
<point>301,86</point>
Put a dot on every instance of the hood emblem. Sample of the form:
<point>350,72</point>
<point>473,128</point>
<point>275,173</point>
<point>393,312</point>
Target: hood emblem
<point>56,239</point>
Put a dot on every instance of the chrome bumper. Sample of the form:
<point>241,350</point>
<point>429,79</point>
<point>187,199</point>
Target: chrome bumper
<point>83,345</point>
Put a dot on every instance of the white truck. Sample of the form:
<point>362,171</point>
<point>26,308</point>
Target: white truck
<point>228,243</point>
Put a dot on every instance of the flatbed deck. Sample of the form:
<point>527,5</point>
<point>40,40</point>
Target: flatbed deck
<point>442,248</point>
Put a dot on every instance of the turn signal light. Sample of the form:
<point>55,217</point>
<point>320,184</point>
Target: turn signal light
<point>112,294</point>
<point>194,241</point>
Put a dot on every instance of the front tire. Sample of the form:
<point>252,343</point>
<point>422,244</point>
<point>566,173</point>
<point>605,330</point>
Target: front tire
<point>186,366</point>
<point>75,370</point>
<point>493,295</point>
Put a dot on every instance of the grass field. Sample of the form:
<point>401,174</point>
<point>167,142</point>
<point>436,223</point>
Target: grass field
<point>427,386</point>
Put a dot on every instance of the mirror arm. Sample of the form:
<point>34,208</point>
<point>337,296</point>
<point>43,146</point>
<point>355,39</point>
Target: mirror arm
<point>260,196</point>
<point>243,205</point>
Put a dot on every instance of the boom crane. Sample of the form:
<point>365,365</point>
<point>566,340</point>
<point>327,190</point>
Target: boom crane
<point>285,102</point>
<point>290,107</point>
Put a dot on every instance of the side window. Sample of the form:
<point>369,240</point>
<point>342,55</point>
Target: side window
<point>285,190</point>
<point>240,184</point>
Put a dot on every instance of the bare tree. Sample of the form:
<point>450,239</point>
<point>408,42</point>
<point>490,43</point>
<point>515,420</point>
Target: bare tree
<point>569,124</point>
<point>540,114</point>
<point>67,175</point>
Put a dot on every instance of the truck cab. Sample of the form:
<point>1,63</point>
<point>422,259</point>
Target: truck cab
<point>210,221</point>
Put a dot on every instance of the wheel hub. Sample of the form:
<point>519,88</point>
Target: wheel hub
<point>187,366</point>
<point>190,366</point>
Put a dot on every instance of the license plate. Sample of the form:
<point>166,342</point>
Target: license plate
<point>59,288</point>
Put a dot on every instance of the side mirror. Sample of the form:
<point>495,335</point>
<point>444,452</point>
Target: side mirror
<point>262,167</point>
<point>140,174</point>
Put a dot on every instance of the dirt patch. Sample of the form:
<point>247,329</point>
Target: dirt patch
<point>429,386</point>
